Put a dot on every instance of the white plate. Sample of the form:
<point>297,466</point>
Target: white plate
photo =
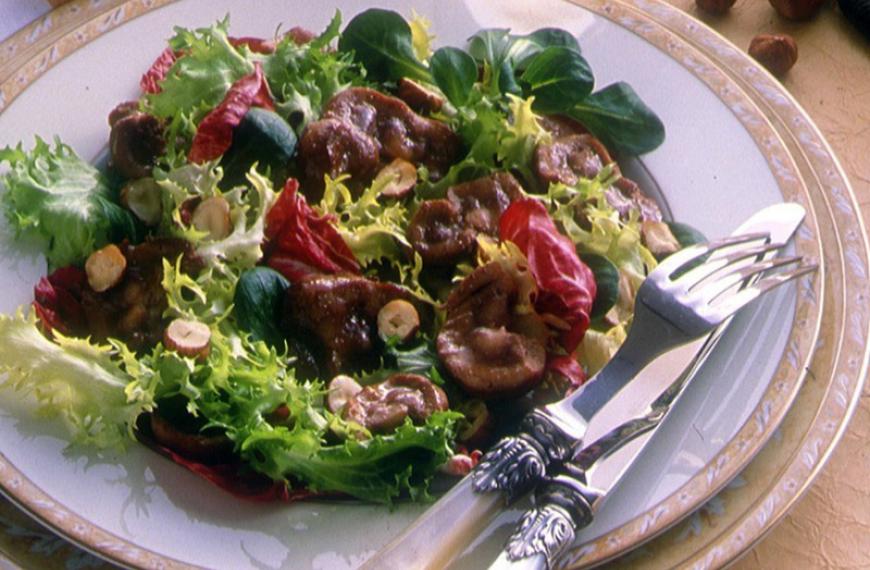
<point>720,163</point>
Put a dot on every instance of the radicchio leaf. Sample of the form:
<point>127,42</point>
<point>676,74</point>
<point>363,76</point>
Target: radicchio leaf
<point>256,45</point>
<point>150,82</point>
<point>566,286</point>
<point>214,135</point>
<point>299,242</point>
<point>57,300</point>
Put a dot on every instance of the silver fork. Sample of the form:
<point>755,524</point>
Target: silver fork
<point>678,302</point>
<point>685,297</point>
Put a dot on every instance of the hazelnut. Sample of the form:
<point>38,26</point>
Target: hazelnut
<point>212,215</point>
<point>341,389</point>
<point>777,52</point>
<point>142,197</point>
<point>716,7</point>
<point>658,238</point>
<point>398,318</point>
<point>796,9</point>
<point>187,338</point>
<point>105,268</point>
<point>398,178</point>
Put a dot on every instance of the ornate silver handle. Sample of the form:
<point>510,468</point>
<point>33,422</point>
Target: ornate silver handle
<point>517,463</point>
<point>563,505</point>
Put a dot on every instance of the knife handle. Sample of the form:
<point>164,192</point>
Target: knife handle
<point>443,532</point>
<point>563,505</point>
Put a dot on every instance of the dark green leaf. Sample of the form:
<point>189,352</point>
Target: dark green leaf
<point>381,42</point>
<point>262,137</point>
<point>257,303</point>
<point>558,78</point>
<point>686,235</point>
<point>491,48</point>
<point>454,72</point>
<point>606,281</point>
<point>620,119</point>
<point>421,359</point>
<point>123,225</point>
<point>524,48</point>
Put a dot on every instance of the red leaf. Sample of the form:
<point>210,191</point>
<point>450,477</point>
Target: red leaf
<point>233,478</point>
<point>566,286</point>
<point>256,45</point>
<point>570,369</point>
<point>57,300</point>
<point>157,72</point>
<point>214,135</point>
<point>299,243</point>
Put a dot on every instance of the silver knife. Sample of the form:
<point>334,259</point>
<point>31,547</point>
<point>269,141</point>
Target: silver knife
<point>551,435</point>
<point>568,501</point>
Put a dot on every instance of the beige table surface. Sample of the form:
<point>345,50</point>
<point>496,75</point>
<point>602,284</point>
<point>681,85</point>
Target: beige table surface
<point>830,526</point>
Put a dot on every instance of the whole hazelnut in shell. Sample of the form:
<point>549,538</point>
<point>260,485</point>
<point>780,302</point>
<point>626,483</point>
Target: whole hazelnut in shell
<point>715,7</point>
<point>777,52</point>
<point>796,9</point>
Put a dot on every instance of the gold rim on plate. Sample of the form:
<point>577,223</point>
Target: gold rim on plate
<point>806,171</point>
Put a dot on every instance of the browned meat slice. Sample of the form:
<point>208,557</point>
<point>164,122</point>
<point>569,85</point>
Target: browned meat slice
<point>339,315</point>
<point>383,407</point>
<point>361,128</point>
<point>438,234</point>
<point>561,126</point>
<point>483,201</point>
<point>442,231</point>
<point>132,310</point>
<point>335,147</point>
<point>575,156</point>
<point>625,195</point>
<point>418,97</point>
<point>135,142</point>
<point>486,347</point>
<point>401,132</point>
<point>568,158</point>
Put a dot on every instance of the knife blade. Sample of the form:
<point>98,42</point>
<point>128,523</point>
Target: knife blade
<point>453,522</point>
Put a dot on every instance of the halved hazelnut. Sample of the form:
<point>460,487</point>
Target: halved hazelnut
<point>658,238</point>
<point>398,318</point>
<point>188,338</point>
<point>212,215</point>
<point>341,389</point>
<point>398,177</point>
<point>142,197</point>
<point>105,268</point>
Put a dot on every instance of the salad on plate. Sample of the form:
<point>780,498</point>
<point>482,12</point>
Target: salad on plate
<point>334,264</point>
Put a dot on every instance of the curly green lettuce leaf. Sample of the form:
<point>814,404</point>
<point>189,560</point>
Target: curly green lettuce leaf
<point>377,469</point>
<point>57,199</point>
<point>520,136</point>
<point>373,228</point>
<point>90,386</point>
<point>421,37</point>
<point>249,204</point>
<point>241,382</point>
<point>603,232</point>
<point>206,67</point>
<point>303,78</point>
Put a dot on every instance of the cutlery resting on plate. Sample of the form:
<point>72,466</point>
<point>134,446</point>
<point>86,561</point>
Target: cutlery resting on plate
<point>686,297</point>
